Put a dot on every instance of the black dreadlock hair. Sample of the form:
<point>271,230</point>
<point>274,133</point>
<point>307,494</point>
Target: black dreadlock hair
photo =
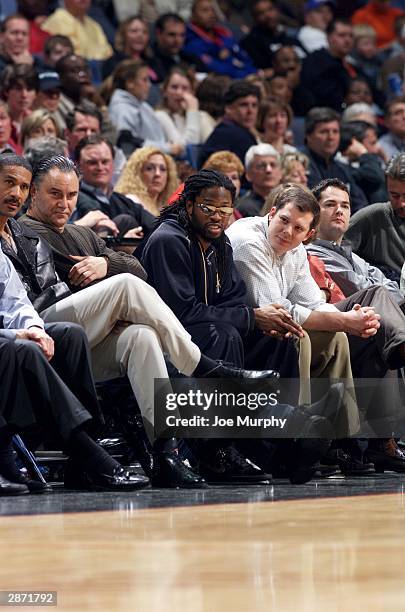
<point>193,186</point>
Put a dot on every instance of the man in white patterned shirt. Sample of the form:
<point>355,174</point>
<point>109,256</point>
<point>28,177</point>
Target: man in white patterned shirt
<point>272,260</point>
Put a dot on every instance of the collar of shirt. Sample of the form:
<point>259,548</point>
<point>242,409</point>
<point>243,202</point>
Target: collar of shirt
<point>397,141</point>
<point>321,161</point>
<point>95,192</point>
<point>345,248</point>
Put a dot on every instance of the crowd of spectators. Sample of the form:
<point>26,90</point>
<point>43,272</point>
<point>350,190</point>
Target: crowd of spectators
<point>161,125</point>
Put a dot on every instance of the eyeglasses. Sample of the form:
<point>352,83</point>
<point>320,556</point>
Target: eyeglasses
<point>208,210</point>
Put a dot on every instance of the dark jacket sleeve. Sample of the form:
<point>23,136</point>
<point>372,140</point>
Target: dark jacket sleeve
<point>121,205</point>
<point>260,53</point>
<point>230,137</point>
<point>370,177</point>
<point>326,77</point>
<point>357,196</point>
<point>369,171</point>
<point>167,260</point>
<point>84,205</point>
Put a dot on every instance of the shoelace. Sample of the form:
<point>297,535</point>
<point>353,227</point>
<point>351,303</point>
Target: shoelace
<point>226,364</point>
<point>234,456</point>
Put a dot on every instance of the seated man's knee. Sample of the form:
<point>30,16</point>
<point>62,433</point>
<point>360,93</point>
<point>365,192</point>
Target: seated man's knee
<point>8,349</point>
<point>27,349</point>
<point>378,290</point>
<point>70,331</point>
<point>229,331</point>
<point>342,341</point>
<point>125,281</point>
<point>135,336</point>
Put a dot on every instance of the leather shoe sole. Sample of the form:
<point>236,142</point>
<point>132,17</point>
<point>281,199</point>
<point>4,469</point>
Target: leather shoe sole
<point>120,480</point>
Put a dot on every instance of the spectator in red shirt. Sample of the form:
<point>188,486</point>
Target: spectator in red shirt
<point>35,11</point>
<point>380,16</point>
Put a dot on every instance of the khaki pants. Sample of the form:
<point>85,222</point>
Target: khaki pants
<point>136,350</point>
<point>327,355</point>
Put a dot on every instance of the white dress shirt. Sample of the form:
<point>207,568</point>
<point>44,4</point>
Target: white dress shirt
<point>271,279</point>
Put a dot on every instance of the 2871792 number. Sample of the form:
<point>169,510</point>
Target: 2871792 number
<point>28,598</point>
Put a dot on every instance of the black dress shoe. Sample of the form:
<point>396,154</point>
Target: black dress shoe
<point>11,488</point>
<point>348,464</point>
<point>226,370</point>
<point>309,452</point>
<point>117,445</point>
<point>172,473</point>
<point>323,417</point>
<point>298,460</point>
<point>302,425</point>
<point>229,467</point>
<point>120,480</point>
<point>34,486</point>
<point>134,431</point>
<point>389,457</point>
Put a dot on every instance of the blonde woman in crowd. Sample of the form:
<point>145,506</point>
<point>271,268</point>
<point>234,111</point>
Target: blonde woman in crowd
<point>38,124</point>
<point>149,178</point>
<point>294,168</point>
<point>229,164</point>
<point>131,42</point>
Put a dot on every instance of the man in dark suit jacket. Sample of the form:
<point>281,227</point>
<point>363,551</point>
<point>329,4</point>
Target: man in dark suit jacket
<point>325,72</point>
<point>117,213</point>
<point>267,34</point>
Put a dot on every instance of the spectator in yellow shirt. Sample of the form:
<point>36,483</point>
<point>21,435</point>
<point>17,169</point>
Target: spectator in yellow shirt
<point>86,35</point>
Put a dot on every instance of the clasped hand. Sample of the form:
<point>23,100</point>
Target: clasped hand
<point>87,270</point>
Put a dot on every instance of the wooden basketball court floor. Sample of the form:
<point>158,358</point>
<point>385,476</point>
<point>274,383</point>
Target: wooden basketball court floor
<point>336,545</point>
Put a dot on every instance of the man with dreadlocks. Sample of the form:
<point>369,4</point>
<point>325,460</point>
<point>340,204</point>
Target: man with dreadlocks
<point>189,262</point>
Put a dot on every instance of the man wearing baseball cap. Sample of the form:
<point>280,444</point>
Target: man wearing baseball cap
<point>48,95</point>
